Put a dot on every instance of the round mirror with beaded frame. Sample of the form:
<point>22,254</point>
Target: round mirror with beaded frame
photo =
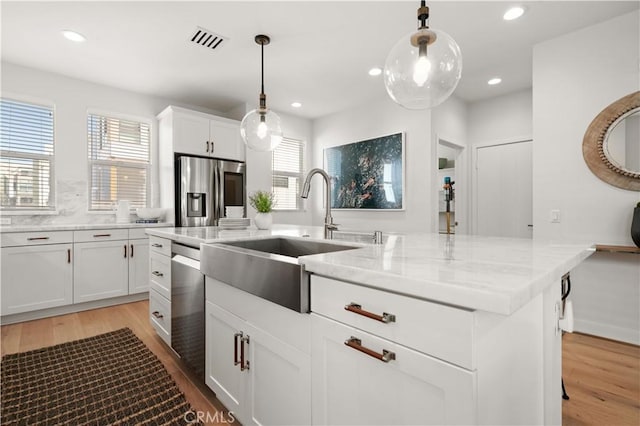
<point>593,144</point>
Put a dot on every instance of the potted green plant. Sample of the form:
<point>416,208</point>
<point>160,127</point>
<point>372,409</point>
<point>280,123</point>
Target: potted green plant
<point>263,202</point>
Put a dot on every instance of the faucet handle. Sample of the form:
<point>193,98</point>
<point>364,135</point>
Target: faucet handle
<point>332,226</point>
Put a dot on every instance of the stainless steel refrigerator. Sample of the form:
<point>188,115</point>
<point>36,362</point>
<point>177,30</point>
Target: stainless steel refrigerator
<point>204,187</point>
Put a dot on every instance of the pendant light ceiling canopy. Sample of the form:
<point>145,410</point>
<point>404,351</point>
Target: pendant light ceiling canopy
<point>424,67</point>
<point>260,128</point>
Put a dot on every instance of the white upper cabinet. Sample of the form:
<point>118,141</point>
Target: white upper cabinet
<point>192,132</point>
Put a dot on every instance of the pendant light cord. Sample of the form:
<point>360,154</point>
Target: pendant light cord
<point>262,66</point>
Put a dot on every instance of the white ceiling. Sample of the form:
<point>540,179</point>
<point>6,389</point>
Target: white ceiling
<point>319,54</point>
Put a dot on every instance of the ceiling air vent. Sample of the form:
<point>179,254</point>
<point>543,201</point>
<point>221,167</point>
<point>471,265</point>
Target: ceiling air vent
<point>208,38</point>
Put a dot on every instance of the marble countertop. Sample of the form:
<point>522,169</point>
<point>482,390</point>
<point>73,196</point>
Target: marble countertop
<point>78,227</point>
<point>194,236</point>
<point>493,274</point>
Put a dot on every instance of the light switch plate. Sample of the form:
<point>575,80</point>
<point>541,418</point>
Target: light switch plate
<point>554,216</point>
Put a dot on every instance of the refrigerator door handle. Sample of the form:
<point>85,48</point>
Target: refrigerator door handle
<point>219,191</point>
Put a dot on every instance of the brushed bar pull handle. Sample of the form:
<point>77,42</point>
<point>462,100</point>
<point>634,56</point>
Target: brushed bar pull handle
<point>235,348</point>
<point>101,235</point>
<point>37,238</point>
<point>156,245</point>
<point>157,273</point>
<point>242,363</point>
<point>207,150</point>
<point>125,250</point>
<point>131,250</point>
<point>212,147</point>
<point>157,314</point>
<point>357,309</point>
<point>68,255</point>
<point>355,343</point>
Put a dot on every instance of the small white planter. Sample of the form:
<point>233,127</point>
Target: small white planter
<point>263,220</point>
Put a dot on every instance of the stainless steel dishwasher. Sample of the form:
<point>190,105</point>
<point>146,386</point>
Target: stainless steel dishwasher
<point>187,307</point>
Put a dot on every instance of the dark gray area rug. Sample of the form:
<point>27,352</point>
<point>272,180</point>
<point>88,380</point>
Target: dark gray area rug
<point>111,378</point>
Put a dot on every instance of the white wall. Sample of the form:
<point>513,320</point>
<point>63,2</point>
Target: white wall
<point>575,76</point>
<point>449,123</point>
<point>379,118</point>
<point>72,98</point>
<point>501,119</point>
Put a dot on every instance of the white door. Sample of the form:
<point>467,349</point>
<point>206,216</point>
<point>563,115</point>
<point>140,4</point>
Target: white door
<point>100,271</point>
<point>225,140</point>
<point>138,266</point>
<point>36,277</point>
<point>352,387</point>
<point>504,186</point>
<point>222,351</point>
<point>191,134</point>
<point>280,382</point>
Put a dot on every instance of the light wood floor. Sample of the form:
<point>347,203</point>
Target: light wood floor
<point>36,334</point>
<point>602,377</point>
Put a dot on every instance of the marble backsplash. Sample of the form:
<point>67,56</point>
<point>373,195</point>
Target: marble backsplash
<point>71,206</point>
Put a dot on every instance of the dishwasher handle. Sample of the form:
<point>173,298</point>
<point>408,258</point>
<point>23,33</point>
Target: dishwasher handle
<point>186,261</point>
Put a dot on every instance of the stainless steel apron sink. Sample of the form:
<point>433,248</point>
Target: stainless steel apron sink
<point>267,268</point>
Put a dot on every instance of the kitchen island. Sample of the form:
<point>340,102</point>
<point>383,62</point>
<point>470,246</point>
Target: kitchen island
<point>425,328</point>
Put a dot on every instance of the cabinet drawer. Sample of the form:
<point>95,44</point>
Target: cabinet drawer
<point>435,329</point>
<point>160,274</point>
<point>10,239</point>
<point>91,235</point>
<point>160,315</point>
<point>160,245</point>
<point>137,234</point>
<point>354,374</point>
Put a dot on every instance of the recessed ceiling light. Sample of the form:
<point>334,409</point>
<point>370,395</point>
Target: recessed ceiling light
<point>296,104</point>
<point>375,71</point>
<point>513,13</point>
<point>494,81</point>
<point>73,36</point>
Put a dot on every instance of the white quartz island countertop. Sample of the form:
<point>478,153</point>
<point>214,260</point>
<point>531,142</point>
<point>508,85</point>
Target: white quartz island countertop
<point>492,274</point>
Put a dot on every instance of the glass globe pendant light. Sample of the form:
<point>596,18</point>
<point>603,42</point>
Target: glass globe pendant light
<point>424,67</point>
<point>260,128</point>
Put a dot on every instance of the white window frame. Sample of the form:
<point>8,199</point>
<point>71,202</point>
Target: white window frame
<point>51,209</point>
<point>90,162</point>
<point>300,176</point>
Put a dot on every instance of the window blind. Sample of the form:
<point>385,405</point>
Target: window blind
<point>288,172</point>
<point>118,161</point>
<point>26,156</point>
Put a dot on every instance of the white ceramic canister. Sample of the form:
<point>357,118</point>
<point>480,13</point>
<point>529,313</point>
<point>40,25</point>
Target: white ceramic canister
<point>122,211</point>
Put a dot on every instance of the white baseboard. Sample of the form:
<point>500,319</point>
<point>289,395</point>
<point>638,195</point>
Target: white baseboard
<point>69,309</point>
<point>627,335</point>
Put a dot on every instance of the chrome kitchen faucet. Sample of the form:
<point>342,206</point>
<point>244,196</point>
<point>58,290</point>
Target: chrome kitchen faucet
<point>329,226</point>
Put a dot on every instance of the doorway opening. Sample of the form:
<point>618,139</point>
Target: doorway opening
<point>451,188</point>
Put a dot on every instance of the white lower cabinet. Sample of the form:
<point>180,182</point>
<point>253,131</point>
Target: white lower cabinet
<point>160,315</point>
<point>138,266</point>
<point>36,277</point>
<point>258,377</point>
<point>159,284</point>
<point>376,381</point>
<point>101,270</point>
